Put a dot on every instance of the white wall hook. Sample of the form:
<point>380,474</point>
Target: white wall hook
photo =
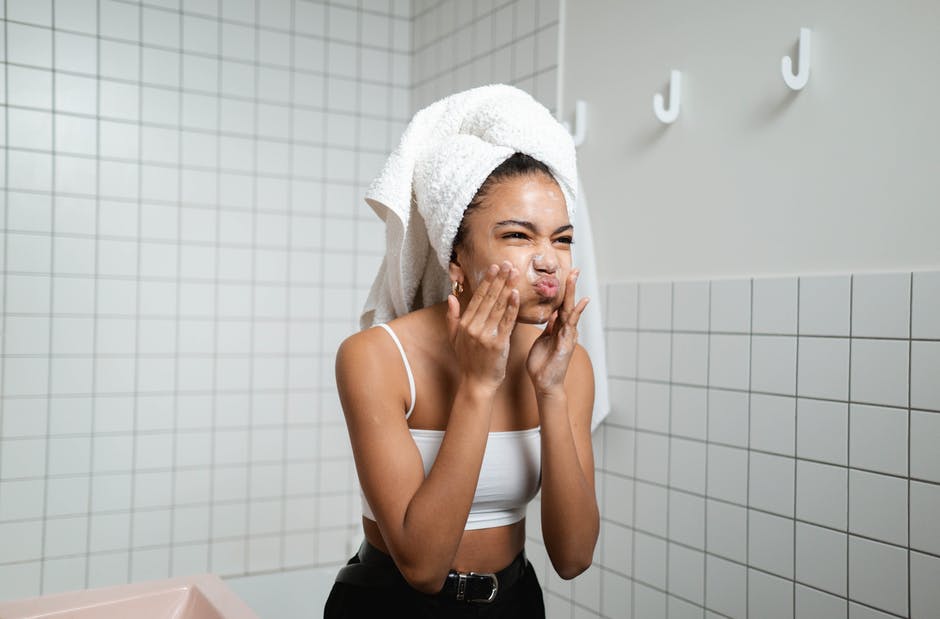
<point>580,123</point>
<point>670,115</point>
<point>798,81</point>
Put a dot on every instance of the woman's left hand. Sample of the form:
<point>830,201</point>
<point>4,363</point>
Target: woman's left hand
<point>551,352</point>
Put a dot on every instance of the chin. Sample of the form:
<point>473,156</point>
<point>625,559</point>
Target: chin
<point>531,320</point>
<point>537,313</point>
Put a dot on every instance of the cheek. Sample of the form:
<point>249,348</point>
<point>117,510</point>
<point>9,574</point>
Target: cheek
<point>519,257</point>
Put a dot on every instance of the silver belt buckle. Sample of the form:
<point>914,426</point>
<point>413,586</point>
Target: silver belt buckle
<point>495,582</point>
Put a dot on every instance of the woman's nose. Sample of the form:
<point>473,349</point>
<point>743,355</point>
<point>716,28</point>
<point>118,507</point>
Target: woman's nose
<point>545,261</point>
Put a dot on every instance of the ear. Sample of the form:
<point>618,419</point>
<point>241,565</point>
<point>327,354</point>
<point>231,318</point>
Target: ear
<point>455,271</point>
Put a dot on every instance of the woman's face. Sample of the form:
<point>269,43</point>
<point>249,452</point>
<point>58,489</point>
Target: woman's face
<point>523,220</point>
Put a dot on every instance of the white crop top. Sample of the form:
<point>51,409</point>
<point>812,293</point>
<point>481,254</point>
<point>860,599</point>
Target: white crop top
<point>510,474</point>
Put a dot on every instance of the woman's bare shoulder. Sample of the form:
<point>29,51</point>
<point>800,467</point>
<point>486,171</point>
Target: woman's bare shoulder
<point>359,342</point>
<point>364,353</point>
<point>366,388</point>
<point>417,325</point>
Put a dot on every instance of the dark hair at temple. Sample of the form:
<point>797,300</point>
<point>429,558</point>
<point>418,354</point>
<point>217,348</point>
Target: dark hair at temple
<point>519,164</point>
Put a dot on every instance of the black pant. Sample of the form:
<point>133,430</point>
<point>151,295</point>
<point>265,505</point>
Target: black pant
<point>348,601</point>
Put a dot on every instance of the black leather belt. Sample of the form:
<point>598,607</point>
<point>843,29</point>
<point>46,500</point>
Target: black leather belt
<point>377,568</point>
<point>482,588</point>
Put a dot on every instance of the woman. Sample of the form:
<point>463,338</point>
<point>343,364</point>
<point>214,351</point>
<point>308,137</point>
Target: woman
<point>459,411</point>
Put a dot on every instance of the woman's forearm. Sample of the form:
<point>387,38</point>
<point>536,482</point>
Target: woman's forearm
<point>480,333</point>
<point>435,518</point>
<point>570,518</point>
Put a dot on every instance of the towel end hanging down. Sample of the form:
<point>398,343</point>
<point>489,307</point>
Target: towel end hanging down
<point>580,123</point>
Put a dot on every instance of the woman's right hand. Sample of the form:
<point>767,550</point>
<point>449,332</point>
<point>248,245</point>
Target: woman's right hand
<point>480,337</point>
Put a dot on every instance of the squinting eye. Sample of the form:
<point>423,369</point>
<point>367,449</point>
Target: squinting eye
<point>565,239</point>
<point>514,235</point>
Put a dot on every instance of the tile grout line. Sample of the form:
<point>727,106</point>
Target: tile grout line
<point>95,317</point>
<point>727,557</point>
<point>769,393</point>
<point>604,446</point>
<point>165,241</point>
<point>176,322</point>
<point>288,322</point>
<point>771,334</point>
<point>50,334</point>
<point>669,440</point>
<point>747,474</point>
<point>512,6</point>
<point>708,370</point>
<point>252,401</point>
<point>156,124</point>
<point>235,22</point>
<point>910,366</point>
<point>711,612</point>
<point>179,273</point>
<point>796,434</point>
<point>848,457</point>
<point>321,304</point>
<point>636,404</point>
<point>136,394</point>
<point>6,217</point>
<point>214,392</point>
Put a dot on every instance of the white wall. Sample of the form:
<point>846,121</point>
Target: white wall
<point>459,45</point>
<point>754,178</point>
<point>771,450</point>
<point>184,245</point>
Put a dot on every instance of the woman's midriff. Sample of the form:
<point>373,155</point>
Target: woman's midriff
<point>480,550</point>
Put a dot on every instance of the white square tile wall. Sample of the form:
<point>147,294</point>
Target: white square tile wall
<point>802,476</point>
<point>458,45</point>
<point>184,244</point>
<point>126,216</point>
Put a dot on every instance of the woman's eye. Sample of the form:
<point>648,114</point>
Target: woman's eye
<point>565,239</point>
<point>514,235</point>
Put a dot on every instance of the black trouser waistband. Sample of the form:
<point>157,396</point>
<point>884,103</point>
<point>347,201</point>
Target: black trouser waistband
<point>376,568</point>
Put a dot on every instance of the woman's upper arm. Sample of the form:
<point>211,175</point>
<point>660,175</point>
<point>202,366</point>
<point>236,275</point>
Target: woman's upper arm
<point>387,460</point>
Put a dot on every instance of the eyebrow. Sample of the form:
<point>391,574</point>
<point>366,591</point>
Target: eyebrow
<point>529,225</point>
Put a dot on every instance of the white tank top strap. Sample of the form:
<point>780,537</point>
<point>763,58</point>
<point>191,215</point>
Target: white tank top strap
<point>411,380</point>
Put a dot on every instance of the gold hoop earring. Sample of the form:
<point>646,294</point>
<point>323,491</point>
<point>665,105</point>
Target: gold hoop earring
<point>456,288</point>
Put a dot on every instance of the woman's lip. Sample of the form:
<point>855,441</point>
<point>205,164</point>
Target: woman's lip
<point>546,286</point>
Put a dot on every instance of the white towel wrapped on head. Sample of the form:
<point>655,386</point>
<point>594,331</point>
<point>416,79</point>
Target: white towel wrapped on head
<point>445,154</point>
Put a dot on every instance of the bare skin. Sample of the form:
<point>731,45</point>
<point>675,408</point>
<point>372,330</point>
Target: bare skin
<point>480,365</point>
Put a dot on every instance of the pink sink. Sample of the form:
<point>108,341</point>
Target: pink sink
<point>190,597</point>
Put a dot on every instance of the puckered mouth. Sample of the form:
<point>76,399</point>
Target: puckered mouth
<point>546,286</point>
